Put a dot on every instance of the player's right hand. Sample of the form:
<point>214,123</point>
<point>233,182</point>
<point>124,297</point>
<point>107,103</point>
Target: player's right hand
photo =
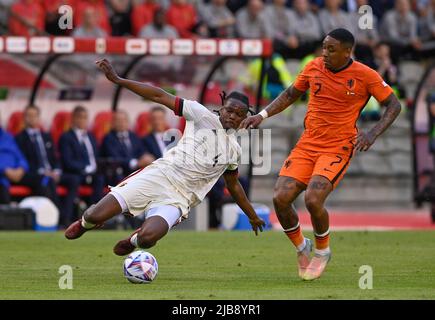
<point>251,122</point>
<point>257,223</point>
<point>110,73</point>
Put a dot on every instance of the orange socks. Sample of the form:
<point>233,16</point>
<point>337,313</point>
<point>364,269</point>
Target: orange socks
<point>322,243</point>
<point>296,237</point>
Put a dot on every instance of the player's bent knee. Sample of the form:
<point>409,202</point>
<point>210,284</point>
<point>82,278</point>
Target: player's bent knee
<point>313,203</point>
<point>281,199</point>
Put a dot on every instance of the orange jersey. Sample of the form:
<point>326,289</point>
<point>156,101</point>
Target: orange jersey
<point>336,101</point>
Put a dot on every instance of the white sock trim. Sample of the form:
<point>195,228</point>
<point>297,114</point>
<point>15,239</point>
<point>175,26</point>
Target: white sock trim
<point>301,247</point>
<point>133,240</point>
<point>323,234</point>
<point>87,225</point>
<point>292,228</point>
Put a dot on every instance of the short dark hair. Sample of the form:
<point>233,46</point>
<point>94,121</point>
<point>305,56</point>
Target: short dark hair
<point>343,35</point>
<point>78,110</point>
<point>32,106</point>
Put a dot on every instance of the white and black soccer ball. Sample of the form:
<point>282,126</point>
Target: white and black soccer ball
<point>140,267</point>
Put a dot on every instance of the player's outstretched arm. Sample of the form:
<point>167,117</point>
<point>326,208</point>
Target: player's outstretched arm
<point>366,139</point>
<point>147,91</point>
<point>286,98</point>
<point>239,195</point>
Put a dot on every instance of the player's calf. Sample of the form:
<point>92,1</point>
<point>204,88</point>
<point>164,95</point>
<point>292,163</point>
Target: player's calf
<point>153,229</point>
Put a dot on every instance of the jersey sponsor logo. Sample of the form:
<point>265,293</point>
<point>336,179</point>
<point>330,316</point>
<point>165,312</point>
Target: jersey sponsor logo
<point>287,164</point>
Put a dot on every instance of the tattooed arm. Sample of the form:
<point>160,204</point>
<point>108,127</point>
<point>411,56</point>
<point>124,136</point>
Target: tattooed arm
<point>366,139</point>
<point>286,98</point>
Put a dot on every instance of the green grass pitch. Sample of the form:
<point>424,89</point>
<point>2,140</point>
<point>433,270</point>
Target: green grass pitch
<point>217,265</point>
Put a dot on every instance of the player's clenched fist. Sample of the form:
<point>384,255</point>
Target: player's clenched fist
<point>251,122</point>
<point>105,66</point>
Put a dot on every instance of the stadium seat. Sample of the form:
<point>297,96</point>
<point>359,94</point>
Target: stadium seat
<point>61,123</point>
<point>212,94</point>
<point>15,123</point>
<point>143,124</point>
<point>18,191</point>
<point>102,125</point>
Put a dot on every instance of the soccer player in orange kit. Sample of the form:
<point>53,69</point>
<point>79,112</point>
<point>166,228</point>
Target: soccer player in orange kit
<point>339,90</point>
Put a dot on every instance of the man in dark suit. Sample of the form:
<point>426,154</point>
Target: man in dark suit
<point>124,148</point>
<point>79,153</point>
<point>44,172</point>
<point>154,143</point>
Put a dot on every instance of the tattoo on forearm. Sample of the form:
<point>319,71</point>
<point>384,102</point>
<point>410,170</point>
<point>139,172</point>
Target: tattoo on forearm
<point>388,117</point>
<point>286,98</point>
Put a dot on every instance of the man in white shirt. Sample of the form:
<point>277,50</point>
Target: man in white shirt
<point>168,188</point>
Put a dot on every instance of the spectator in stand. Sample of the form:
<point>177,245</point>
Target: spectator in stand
<point>366,39</point>
<point>154,143</point>
<point>158,28</point>
<point>251,23</point>
<point>383,64</point>
<point>79,153</point>
<point>124,147</point>
<point>13,165</point>
<point>120,17</point>
<point>89,28</point>
<point>182,16</point>
<point>279,19</point>
<point>219,19</point>
<point>142,14</point>
<point>44,173</point>
<point>165,66</point>
<point>332,17</point>
<point>427,29</point>
<point>307,27</point>
<point>100,13</point>
<point>399,29</point>
<point>26,18</point>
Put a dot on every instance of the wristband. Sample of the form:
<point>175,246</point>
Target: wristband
<point>264,114</point>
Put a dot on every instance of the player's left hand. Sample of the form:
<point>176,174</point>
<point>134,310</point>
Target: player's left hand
<point>257,224</point>
<point>364,141</point>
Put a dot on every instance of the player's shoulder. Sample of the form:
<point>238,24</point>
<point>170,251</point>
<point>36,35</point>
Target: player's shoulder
<point>363,69</point>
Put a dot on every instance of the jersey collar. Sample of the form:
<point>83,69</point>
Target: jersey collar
<point>343,68</point>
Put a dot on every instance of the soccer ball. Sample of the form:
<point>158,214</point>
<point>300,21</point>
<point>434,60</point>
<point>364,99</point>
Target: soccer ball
<point>140,267</point>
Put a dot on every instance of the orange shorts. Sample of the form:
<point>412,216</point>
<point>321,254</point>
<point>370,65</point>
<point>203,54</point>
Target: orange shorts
<point>303,163</point>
